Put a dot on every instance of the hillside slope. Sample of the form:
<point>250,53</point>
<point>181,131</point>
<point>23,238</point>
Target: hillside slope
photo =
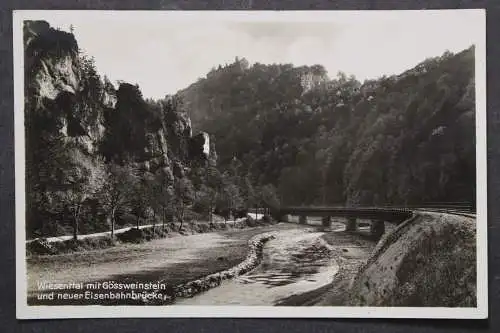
<point>428,261</point>
<point>404,139</point>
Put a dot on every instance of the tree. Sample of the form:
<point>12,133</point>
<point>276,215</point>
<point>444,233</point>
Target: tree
<point>205,200</point>
<point>230,196</point>
<point>249,195</point>
<point>164,194</point>
<point>117,191</point>
<point>144,198</point>
<point>214,188</point>
<point>269,198</point>
<point>84,179</point>
<point>184,192</point>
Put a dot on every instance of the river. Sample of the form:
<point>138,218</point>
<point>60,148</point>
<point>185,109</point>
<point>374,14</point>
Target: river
<point>297,261</point>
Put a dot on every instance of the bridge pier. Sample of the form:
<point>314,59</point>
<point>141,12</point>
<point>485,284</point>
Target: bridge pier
<point>377,228</point>
<point>302,219</point>
<point>284,218</point>
<point>351,224</point>
<point>326,221</point>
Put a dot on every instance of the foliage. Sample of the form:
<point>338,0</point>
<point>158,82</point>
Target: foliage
<point>183,199</point>
<point>404,139</point>
<point>97,156</point>
<point>117,191</point>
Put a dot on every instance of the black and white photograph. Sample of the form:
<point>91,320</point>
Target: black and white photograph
<point>250,164</point>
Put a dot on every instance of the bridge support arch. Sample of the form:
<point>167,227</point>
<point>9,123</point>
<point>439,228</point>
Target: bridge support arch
<point>302,219</point>
<point>377,228</point>
<point>351,224</point>
<point>326,221</point>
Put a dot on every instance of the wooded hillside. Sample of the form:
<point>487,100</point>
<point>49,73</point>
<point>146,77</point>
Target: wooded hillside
<point>405,139</point>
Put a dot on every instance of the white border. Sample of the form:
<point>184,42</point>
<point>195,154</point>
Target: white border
<point>23,311</point>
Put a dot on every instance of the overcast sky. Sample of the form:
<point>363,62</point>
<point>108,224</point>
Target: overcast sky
<point>163,53</point>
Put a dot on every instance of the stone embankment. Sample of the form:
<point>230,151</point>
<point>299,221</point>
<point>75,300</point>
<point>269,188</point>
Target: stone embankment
<point>189,289</point>
<point>430,260</point>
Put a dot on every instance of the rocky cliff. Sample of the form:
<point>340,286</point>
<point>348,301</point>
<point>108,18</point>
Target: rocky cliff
<point>78,123</point>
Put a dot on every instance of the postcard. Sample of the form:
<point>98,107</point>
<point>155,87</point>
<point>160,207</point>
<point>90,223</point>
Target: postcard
<point>325,164</point>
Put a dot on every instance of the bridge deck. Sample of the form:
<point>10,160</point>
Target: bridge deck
<point>386,214</point>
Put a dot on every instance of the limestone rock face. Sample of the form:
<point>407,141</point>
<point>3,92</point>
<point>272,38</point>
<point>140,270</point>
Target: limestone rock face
<point>49,71</point>
<point>200,146</point>
<point>77,122</point>
<point>53,88</point>
<point>56,76</point>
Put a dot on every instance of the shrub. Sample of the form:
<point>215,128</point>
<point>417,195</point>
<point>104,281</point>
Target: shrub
<point>251,222</point>
<point>133,235</point>
<point>267,219</point>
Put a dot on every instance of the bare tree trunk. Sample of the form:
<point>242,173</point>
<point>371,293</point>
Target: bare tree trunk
<point>154,222</point>
<point>113,223</point>
<point>210,215</point>
<point>181,216</point>
<point>137,222</point>
<point>75,228</point>
<point>75,222</point>
<point>164,218</point>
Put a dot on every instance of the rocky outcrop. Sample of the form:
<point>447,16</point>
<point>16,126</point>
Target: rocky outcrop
<point>54,75</point>
<point>49,61</point>
<point>64,125</point>
<point>200,145</point>
<point>75,119</point>
<point>430,260</point>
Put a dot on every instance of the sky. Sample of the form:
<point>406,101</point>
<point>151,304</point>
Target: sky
<point>166,51</point>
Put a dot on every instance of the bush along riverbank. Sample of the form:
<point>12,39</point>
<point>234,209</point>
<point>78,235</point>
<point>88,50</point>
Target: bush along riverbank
<point>133,235</point>
<point>192,288</point>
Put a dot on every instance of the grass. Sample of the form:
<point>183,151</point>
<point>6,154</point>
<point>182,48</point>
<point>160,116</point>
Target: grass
<point>430,261</point>
<point>134,235</point>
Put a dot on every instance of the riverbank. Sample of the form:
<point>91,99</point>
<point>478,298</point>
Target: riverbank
<point>175,260</point>
<point>350,250</point>
<point>429,260</point>
<point>66,243</point>
<point>297,266</point>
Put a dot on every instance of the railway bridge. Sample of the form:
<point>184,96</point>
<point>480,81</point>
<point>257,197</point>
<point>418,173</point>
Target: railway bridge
<point>377,216</point>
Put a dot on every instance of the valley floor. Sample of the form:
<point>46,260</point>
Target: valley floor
<point>298,268</point>
<point>304,265</point>
<point>176,259</point>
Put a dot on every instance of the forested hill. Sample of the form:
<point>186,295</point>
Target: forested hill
<point>404,139</point>
<point>100,154</point>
